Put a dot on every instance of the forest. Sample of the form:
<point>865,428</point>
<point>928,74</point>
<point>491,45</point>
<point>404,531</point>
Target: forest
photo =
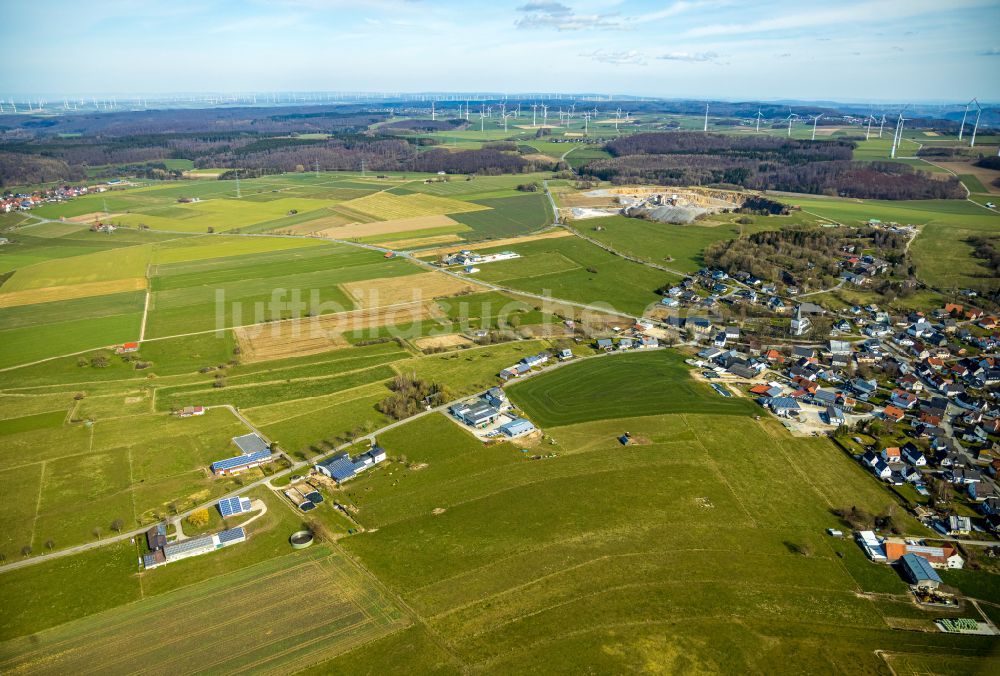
<point>810,259</point>
<point>763,163</point>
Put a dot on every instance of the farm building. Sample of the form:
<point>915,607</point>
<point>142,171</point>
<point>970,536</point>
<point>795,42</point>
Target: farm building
<point>475,414</point>
<point>127,347</point>
<point>190,411</point>
<point>342,467</point>
<point>517,427</point>
<point>156,537</point>
<point>233,506</point>
<point>495,397</point>
<point>515,371</point>
<point>938,557</point>
<point>918,571</point>
<point>184,549</point>
<point>873,547</point>
<point>241,463</point>
<point>565,354</point>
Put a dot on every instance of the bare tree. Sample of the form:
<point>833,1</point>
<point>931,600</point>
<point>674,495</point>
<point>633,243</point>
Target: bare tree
<point>50,544</point>
<point>116,525</point>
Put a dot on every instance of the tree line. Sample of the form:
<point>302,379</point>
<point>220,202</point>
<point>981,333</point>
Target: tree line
<point>763,163</point>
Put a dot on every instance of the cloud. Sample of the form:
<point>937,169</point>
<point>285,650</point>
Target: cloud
<point>557,16</point>
<point>626,58</point>
<point>835,16</point>
<point>699,57</point>
<point>786,55</point>
<point>993,51</point>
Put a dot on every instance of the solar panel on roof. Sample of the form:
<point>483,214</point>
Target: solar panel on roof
<point>240,460</point>
<point>234,505</point>
<point>232,535</point>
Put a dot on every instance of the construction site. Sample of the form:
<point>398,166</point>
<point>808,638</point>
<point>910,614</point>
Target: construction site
<point>655,203</point>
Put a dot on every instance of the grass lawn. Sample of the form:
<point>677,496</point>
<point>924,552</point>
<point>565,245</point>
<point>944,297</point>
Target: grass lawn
<point>676,246</point>
<point>620,386</point>
<point>597,277</point>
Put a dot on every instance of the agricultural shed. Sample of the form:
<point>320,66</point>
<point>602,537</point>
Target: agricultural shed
<point>517,427</point>
<point>918,571</point>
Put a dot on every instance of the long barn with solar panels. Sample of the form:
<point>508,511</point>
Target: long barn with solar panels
<point>241,463</point>
<point>203,544</point>
<point>232,506</point>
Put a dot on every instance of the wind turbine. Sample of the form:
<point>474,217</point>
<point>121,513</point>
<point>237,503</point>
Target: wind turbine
<point>815,121</point>
<point>545,115</point>
<point>898,136</point>
<point>758,120</point>
<point>586,123</point>
<point>964,115</point>
<point>706,117</point>
<point>881,126</point>
<point>433,112</point>
<point>869,132</point>
<point>790,118</point>
<point>534,110</point>
<point>975,127</point>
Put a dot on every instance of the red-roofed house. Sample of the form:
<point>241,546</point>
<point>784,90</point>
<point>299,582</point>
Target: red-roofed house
<point>894,414</point>
<point>938,557</point>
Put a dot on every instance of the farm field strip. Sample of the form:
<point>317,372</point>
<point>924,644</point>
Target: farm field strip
<point>373,293</point>
<point>509,242</point>
<point>70,292</point>
<point>269,341</point>
<point>386,206</point>
<point>289,611</point>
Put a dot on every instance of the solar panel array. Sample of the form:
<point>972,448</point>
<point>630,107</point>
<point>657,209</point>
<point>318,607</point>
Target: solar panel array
<point>314,496</point>
<point>231,506</point>
<point>240,460</point>
<point>250,443</point>
<point>232,535</point>
<point>174,548</point>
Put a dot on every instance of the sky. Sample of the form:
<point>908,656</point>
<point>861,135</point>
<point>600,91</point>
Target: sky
<point>872,50</point>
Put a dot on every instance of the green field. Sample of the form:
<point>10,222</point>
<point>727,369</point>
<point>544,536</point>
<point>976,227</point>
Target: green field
<point>591,275</point>
<point>676,246</point>
<point>510,217</point>
<point>609,387</point>
<point>603,553</point>
<point>315,605</point>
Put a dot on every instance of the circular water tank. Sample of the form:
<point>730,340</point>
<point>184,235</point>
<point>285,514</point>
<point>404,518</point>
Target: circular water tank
<point>301,539</point>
